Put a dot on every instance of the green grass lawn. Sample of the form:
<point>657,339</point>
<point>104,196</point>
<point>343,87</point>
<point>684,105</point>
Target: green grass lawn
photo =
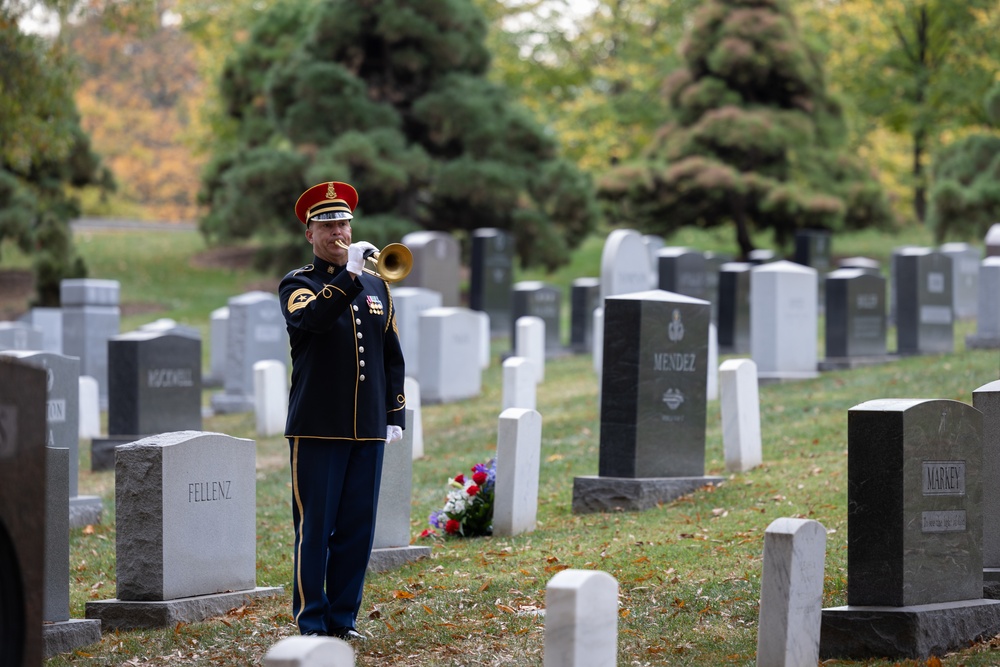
<point>688,571</point>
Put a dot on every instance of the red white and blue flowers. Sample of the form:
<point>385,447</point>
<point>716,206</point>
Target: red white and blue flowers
<point>468,507</point>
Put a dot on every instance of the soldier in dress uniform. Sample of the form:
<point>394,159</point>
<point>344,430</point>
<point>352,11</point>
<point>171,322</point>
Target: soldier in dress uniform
<point>345,404</point>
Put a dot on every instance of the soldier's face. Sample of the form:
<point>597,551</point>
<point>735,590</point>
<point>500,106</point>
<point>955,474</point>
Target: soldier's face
<point>324,234</point>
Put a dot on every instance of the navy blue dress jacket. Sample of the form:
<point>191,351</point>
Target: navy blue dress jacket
<point>347,363</point>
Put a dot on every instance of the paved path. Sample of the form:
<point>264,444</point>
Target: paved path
<point>115,223</point>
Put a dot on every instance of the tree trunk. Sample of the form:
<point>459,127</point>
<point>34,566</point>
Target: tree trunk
<point>742,233</point>
<point>919,188</point>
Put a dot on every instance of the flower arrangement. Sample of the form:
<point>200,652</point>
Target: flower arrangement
<point>468,507</point>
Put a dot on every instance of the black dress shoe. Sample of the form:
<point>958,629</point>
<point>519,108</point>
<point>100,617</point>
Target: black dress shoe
<point>314,633</point>
<point>349,634</point>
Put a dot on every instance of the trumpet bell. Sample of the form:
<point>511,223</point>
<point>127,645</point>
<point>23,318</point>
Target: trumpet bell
<point>393,262</point>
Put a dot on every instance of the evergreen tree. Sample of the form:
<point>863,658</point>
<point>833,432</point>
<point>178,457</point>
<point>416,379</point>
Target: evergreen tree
<point>390,96</point>
<point>44,153</point>
<point>965,198</point>
<point>753,139</point>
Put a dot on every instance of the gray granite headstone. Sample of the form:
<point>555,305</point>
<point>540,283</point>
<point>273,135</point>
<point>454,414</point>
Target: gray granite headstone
<point>914,522</point>
<point>965,259</point>
<point>784,320</point>
<point>49,321</point>
<point>410,303</point>
<point>491,277</point>
<point>625,265</point>
<point>713,264</point>
<point>855,314</point>
<point>391,546</point>
<point>761,256</point>
<point>20,336</point>
<point>734,307</point>
<point>22,511</point>
<point>584,297</point>
<point>992,240</point>
<point>436,264</point>
<point>894,278</point>
<point>91,316</point>
<point>924,313</point>
<point>256,331</point>
<point>155,383</point>
<point>988,312</point>
<point>684,271</point>
<point>544,301</point>
<point>186,530</point>
<point>986,399</point>
<point>812,248</point>
<point>653,244</point>
<point>63,422</point>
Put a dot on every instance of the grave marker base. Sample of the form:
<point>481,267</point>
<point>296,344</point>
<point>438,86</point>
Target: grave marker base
<point>767,377</point>
<point>916,632</point>
<point>991,574</point>
<point>607,494</point>
<point>978,343</point>
<point>66,636</point>
<point>389,558</point>
<point>85,510</point>
<point>224,404</point>
<point>129,614</point>
<point>847,363</point>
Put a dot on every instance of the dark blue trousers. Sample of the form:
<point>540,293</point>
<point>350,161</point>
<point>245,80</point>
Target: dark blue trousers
<point>335,487</point>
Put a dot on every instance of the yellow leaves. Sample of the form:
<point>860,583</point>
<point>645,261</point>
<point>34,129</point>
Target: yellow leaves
<point>505,609</point>
<point>403,595</point>
<point>88,529</point>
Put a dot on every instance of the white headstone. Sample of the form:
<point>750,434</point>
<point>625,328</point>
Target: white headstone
<point>409,303</point>
<point>218,333</point>
<point>449,355</point>
<point>784,314</point>
<point>20,336</point>
<point>530,343</point>
<point>988,320</point>
<point>270,392</point>
<point>518,383</point>
<point>519,446</point>
<point>581,619</point>
<point>392,522</point>
<point>791,594</point>
<point>186,513</point>
<point>625,265</point>
<point>740,408</point>
<point>310,652</point>
<point>598,339</point>
<point>90,408</point>
<point>411,389</point>
<point>484,338</point>
<point>965,260</point>
<point>712,387</point>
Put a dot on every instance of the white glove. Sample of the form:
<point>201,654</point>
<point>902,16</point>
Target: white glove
<point>393,433</point>
<point>356,254</point>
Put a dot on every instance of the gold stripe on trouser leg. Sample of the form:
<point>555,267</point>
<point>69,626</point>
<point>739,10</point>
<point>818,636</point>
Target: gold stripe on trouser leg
<point>299,528</point>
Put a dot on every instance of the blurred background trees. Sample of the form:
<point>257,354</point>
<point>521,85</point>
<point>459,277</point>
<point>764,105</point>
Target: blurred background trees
<point>457,114</point>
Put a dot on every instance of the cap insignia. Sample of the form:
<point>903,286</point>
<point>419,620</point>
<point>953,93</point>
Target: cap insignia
<point>331,192</point>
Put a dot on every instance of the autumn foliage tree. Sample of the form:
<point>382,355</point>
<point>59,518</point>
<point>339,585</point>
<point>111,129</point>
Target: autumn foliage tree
<point>392,97</point>
<point>753,139</point>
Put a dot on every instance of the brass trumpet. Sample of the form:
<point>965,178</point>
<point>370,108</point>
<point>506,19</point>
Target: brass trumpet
<point>392,263</point>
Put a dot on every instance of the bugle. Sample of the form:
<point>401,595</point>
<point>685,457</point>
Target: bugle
<point>392,263</point>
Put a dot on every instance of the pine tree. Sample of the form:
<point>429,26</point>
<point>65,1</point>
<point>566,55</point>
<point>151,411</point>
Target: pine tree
<point>754,140</point>
<point>390,96</point>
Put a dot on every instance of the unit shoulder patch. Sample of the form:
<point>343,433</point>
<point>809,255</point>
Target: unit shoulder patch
<point>299,299</point>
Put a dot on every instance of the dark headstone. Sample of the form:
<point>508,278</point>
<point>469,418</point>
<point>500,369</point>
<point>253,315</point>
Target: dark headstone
<point>924,319</point>
<point>653,400</point>
<point>914,526</point>
<point>491,277</point>
<point>734,307</point>
<point>22,512</point>
<point>812,248</point>
<point>585,296</point>
<point>154,384</point>
<point>532,297</point>
<point>914,502</point>
<point>855,314</point>
<point>436,264</point>
<point>684,271</point>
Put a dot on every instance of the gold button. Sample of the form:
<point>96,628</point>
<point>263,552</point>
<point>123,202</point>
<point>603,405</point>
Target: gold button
<point>362,378</point>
